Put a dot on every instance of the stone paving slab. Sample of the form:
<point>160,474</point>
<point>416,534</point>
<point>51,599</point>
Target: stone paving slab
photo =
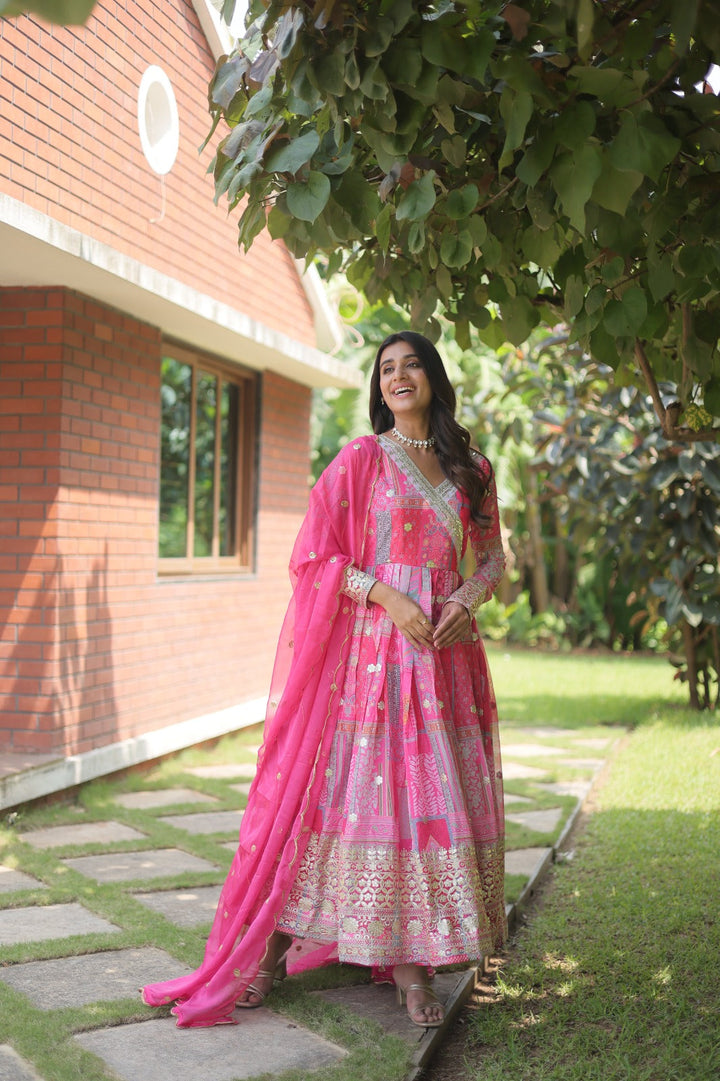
<point>582,763</point>
<point>186,908</point>
<point>206,821</point>
<point>595,744</point>
<point>525,861</point>
<point>243,788</point>
<point>163,797</point>
<point>516,771</point>
<point>509,798</point>
<point>378,1003</point>
<point>262,1043</point>
<point>544,732</point>
<point>579,789</point>
<point>542,821</point>
<point>84,833</point>
<point>41,922</point>
<point>123,866</point>
<point>15,1068</point>
<point>11,881</point>
<point>91,977</point>
<point>224,771</point>
<point>529,750</point>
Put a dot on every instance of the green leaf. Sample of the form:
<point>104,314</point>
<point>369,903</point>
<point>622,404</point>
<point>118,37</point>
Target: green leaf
<point>542,246</point>
<point>252,222</point>
<point>418,200</point>
<point>259,102</point>
<point>328,73</point>
<point>615,188</point>
<point>603,347</point>
<point>461,202</point>
<point>444,48</point>
<point>65,12</point>
<point>379,35</point>
<point>416,237</point>
<point>585,20</point>
<point>683,16</point>
<point>227,81</point>
<point>516,110</point>
<point>477,227</point>
<point>307,200</point>
<point>519,319</point>
<point>456,251</point>
<point>574,295</point>
<point>382,227</point>
<point>290,157</point>
<point>493,334</point>
<point>455,151</point>
<point>610,85</point>
<point>462,334</point>
<point>595,299</point>
<point>712,395</point>
<point>706,325</point>
<point>573,177</point>
<point>624,317</point>
<point>575,125</point>
<point>536,159</point>
<point>643,144</point>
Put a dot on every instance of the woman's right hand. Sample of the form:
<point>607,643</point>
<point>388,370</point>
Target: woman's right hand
<point>408,617</point>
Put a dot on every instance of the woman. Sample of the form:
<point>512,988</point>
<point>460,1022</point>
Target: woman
<point>375,821</point>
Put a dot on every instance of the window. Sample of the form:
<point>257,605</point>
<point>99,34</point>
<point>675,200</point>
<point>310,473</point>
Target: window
<point>206,465</point>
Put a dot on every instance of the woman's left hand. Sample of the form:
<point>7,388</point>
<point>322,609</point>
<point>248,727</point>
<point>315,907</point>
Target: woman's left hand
<point>454,624</point>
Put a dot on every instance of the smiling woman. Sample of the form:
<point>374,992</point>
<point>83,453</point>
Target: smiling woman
<point>374,827</point>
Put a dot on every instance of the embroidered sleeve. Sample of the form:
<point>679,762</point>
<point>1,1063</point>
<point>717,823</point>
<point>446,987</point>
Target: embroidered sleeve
<point>489,556</point>
<point>357,585</point>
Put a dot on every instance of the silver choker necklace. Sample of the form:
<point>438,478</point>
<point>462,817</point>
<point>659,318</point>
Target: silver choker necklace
<point>422,444</point>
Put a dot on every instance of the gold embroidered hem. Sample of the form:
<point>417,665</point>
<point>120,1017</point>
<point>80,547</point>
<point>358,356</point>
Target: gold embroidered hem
<point>386,906</point>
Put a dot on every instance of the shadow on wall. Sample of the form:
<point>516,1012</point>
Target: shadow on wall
<point>85,712</point>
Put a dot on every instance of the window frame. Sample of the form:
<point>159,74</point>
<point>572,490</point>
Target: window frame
<point>247,382</point>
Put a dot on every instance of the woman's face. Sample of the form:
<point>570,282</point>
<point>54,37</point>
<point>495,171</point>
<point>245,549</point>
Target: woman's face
<point>404,385</point>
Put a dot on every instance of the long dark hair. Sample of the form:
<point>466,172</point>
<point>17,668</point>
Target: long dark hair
<point>452,441</point>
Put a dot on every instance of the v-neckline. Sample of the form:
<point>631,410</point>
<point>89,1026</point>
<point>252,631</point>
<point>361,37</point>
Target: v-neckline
<point>415,471</point>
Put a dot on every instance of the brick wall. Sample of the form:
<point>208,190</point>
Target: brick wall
<point>95,647</point>
<point>70,148</point>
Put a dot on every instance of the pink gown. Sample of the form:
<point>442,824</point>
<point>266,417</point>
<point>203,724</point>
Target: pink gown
<point>405,857</point>
<point>374,824</point>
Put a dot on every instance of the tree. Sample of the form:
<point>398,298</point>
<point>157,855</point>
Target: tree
<point>68,12</point>
<point>506,164</point>
<point>652,506</point>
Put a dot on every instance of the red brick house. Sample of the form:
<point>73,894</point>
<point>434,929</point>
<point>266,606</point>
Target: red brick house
<point>155,389</point>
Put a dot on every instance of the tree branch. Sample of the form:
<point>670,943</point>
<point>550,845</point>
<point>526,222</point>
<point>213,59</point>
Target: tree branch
<point>669,416</point>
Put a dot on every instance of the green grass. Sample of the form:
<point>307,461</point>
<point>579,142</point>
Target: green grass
<point>571,691</point>
<point>616,978</point>
<point>588,697</point>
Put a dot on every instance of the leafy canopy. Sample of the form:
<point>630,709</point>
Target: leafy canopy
<point>505,164</point>
<point>55,11</point>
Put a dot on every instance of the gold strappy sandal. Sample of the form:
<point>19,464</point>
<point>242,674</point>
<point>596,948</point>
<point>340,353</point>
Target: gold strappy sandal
<point>277,977</point>
<point>402,993</point>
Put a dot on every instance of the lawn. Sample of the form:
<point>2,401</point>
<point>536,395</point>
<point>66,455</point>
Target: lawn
<point>615,977</point>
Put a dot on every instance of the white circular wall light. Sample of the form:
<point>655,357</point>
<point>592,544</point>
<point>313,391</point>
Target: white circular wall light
<point>158,122</point>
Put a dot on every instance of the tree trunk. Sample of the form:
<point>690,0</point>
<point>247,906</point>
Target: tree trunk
<point>692,675</point>
<point>561,565</point>
<point>538,571</point>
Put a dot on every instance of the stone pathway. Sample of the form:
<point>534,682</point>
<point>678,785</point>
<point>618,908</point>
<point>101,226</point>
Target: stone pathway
<point>69,956</point>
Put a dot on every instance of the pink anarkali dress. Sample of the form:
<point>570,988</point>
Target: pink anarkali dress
<point>374,826</point>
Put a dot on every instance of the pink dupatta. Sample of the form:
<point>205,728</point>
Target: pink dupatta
<point>299,727</point>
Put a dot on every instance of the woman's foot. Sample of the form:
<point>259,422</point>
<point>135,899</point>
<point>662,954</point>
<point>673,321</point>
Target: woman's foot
<point>272,969</point>
<point>423,1006</point>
